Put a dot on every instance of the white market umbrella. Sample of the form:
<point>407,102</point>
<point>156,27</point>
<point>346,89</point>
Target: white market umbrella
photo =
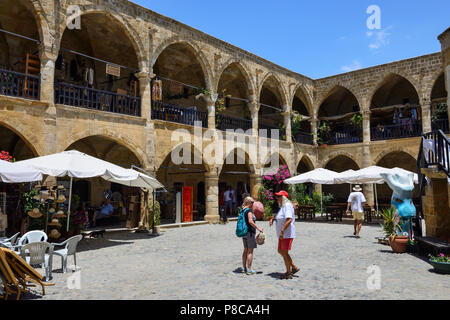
<point>80,165</point>
<point>13,172</point>
<point>319,175</point>
<point>372,175</point>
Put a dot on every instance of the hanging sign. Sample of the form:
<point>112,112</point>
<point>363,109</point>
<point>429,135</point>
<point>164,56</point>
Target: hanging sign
<point>113,70</point>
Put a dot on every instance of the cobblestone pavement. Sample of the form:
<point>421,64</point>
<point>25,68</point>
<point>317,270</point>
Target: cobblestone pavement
<point>200,262</point>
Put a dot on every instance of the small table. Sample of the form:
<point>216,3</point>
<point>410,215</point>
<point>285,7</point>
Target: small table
<point>305,211</point>
<point>336,212</point>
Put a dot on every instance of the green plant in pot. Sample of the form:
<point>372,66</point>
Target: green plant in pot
<point>440,263</point>
<point>323,131</point>
<point>357,120</point>
<point>296,122</point>
<point>393,230</point>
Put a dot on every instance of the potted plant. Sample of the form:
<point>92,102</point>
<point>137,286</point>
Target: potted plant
<point>441,263</point>
<point>356,121</point>
<point>323,131</point>
<point>393,230</point>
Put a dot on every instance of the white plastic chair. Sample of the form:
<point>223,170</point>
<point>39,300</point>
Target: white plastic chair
<point>10,242</point>
<point>34,254</point>
<point>70,249</point>
<point>30,237</point>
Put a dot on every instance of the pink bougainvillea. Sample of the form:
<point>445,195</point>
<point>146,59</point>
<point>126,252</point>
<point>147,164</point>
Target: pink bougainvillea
<point>4,155</point>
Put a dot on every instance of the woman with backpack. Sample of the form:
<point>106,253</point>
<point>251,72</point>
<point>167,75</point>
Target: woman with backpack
<point>249,240</point>
<point>285,219</point>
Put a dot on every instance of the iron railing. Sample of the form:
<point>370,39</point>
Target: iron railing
<point>226,122</point>
<point>171,113</point>
<point>303,137</point>
<point>88,98</point>
<point>344,135</point>
<point>266,131</point>
<point>407,129</point>
<point>441,124</point>
<point>16,84</point>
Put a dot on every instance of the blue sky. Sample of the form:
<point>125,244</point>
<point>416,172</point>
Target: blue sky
<point>316,38</point>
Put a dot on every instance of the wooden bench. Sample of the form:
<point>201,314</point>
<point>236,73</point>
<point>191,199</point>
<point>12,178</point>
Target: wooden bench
<point>432,245</point>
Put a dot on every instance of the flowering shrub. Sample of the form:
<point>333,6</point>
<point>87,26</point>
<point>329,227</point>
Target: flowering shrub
<point>4,155</point>
<point>441,258</point>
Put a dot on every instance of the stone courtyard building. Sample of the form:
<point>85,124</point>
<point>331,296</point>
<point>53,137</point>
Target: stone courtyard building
<point>121,84</point>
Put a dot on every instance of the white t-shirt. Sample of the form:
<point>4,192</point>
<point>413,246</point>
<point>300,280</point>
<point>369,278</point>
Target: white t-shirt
<point>283,214</point>
<point>228,195</point>
<point>357,199</point>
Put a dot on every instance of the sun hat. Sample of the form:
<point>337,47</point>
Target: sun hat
<point>282,193</point>
<point>35,213</point>
<point>55,233</point>
<point>61,199</point>
<point>357,188</point>
<point>51,210</point>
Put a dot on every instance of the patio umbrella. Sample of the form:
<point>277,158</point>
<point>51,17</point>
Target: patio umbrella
<point>13,172</point>
<point>319,175</point>
<point>80,165</point>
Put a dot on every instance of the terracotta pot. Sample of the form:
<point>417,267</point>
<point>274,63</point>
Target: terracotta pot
<point>398,243</point>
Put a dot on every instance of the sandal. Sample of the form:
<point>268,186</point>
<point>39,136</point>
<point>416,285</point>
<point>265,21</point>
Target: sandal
<point>286,276</point>
<point>294,271</point>
<point>249,272</point>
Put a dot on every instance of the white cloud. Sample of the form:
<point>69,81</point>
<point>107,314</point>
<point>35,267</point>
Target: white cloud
<point>378,38</point>
<point>355,65</point>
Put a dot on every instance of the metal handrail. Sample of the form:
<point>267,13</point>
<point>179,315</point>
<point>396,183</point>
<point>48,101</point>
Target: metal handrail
<point>172,113</point>
<point>17,84</point>
<point>224,122</point>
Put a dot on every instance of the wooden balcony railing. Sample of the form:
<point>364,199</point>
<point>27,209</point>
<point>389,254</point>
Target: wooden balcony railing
<point>88,98</point>
<point>16,84</point>
<point>167,112</point>
<point>405,129</point>
<point>344,135</point>
<point>226,122</point>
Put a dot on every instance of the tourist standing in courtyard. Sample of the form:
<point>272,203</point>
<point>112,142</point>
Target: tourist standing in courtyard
<point>356,200</point>
<point>285,220</point>
<point>249,240</point>
<point>228,197</point>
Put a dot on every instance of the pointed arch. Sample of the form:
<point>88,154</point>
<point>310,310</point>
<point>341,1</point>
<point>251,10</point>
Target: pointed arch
<point>244,71</point>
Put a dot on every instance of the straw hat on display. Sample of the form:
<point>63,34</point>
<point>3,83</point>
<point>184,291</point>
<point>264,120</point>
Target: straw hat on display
<point>61,187</point>
<point>35,213</point>
<point>51,210</point>
<point>61,199</point>
<point>55,233</point>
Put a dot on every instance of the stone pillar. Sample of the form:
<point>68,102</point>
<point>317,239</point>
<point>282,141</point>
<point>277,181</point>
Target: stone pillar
<point>444,39</point>
<point>48,59</point>
<point>145,93</point>
<point>426,115</point>
<point>366,159</point>
<point>212,197</point>
<point>314,130</point>
<point>253,107</point>
<point>287,122</point>
<point>255,185</point>
<point>211,105</point>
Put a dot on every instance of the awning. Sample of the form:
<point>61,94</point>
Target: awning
<point>13,172</point>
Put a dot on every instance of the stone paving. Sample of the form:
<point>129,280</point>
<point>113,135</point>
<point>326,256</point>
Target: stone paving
<point>200,262</point>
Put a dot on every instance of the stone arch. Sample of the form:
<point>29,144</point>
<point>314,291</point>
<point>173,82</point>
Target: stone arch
<point>116,17</point>
<point>281,89</point>
<point>433,83</point>
<point>386,152</point>
<point>382,80</point>
<point>244,71</point>
<point>336,154</point>
<point>30,139</point>
<point>248,162</point>
<point>308,99</point>
<point>195,49</point>
<point>330,91</point>
<point>39,14</point>
<point>281,159</point>
<point>110,135</point>
<point>306,160</point>
<point>193,149</point>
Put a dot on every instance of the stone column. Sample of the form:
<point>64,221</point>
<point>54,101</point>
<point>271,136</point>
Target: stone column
<point>48,59</point>
<point>287,122</point>
<point>145,93</point>
<point>314,130</point>
<point>255,185</point>
<point>366,159</point>
<point>426,115</point>
<point>211,105</point>
<point>212,197</point>
<point>444,39</point>
<point>253,107</point>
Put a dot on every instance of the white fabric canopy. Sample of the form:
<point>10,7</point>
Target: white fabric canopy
<point>13,172</point>
<point>370,175</point>
<point>319,175</point>
<point>80,165</point>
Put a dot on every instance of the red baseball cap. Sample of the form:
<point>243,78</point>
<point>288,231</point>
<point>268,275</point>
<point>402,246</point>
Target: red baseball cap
<point>282,193</point>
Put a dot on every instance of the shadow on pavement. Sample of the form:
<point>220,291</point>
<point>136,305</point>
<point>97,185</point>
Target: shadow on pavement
<point>98,243</point>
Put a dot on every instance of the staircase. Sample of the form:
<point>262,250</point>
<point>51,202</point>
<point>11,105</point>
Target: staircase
<point>433,167</point>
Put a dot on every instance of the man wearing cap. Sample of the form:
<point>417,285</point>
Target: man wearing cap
<point>356,200</point>
<point>285,219</point>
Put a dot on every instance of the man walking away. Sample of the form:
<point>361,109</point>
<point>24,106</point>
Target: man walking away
<point>356,200</point>
<point>228,198</point>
